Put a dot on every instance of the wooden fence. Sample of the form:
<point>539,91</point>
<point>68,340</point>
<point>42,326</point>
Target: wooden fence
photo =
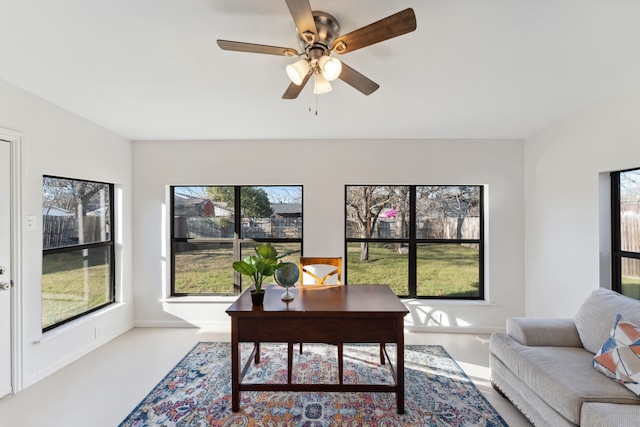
<point>60,231</point>
<point>630,241</point>
<point>221,227</point>
<point>427,228</point>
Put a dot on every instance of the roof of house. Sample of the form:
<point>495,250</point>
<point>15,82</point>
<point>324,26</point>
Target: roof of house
<point>287,209</point>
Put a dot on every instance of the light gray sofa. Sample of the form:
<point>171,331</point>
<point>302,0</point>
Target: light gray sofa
<point>544,366</point>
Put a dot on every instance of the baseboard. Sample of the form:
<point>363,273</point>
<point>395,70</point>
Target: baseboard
<point>180,324</point>
<point>455,329</point>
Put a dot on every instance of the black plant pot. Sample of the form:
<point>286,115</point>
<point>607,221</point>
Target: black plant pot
<point>257,297</point>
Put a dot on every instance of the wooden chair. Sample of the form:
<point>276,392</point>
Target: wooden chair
<point>321,271</point>
<point>316,271</point>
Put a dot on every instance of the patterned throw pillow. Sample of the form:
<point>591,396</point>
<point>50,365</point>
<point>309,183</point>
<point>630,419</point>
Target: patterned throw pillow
<point>619,357</point>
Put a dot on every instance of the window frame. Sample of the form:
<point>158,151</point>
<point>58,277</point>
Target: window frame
<point>237,241</point>
<point>109,244</point>
<point>617,254</point>
<point>413,242</point>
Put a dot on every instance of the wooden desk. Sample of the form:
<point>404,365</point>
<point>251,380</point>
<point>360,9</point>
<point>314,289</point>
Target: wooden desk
<point>331,314</point>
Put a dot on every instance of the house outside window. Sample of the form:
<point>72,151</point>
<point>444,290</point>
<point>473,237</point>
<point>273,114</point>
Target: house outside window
<point>424,241</point>
<point>625,226</point>
<point>78,262</point>
<point>213,226</point>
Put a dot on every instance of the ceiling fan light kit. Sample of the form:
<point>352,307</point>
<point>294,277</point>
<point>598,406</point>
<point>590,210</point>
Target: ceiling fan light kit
<point>298,70</point>
<point>329,67</point>
<point>321,85</point>
<point>318,37</point>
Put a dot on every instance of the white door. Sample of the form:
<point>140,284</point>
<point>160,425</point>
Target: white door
<point>5,271</point>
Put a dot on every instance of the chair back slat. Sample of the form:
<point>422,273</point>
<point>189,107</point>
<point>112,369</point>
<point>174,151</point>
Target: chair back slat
<point>320,271</point>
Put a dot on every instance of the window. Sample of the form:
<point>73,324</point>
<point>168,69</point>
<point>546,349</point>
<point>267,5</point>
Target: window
<point>213,226</point>
<point>78,267</point>
<point>625,227</point>
<point>422,241</point>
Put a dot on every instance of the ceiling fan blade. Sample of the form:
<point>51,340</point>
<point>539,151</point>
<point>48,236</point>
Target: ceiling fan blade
<point>357,80</point>
<point>294,90</point>
<point>303,16</point>
<point>392,26</point>
<point>256,48</point>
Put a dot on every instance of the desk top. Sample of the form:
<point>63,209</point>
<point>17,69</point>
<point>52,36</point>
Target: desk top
<point>345,299</point>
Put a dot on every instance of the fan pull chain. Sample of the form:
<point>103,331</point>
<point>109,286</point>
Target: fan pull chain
<point>315,91</point>
<point>309,94</point>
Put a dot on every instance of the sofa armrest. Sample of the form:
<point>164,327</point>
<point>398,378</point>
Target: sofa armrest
<point>533,331</point>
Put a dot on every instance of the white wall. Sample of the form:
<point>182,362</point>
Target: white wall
<point>567,219</point>
<point>323,168</point>
<point>56,142</point>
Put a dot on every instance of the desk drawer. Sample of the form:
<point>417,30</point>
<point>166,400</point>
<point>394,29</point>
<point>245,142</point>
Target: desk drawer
<point>320,329</point>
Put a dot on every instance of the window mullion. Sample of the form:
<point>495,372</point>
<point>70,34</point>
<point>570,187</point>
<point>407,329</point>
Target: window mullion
<point>616,275</point>
<point>413,246</point>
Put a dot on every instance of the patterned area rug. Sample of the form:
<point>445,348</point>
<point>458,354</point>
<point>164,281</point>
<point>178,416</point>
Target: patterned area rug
<point>197,392</point>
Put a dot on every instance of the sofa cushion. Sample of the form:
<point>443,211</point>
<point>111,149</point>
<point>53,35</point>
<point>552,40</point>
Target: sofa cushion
<point>534,331</point>
<point>598,312</point>
<point>619,357</point>
<point>562,376</point>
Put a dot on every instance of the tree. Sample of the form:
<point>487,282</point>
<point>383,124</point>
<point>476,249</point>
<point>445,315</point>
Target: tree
<point>435,204</point>
<point>78,197</point>
<point>464,201</point>
<point>253,200</point>
<point>399,199</point>
<point>70,194</point>
<point>630,190</point>
<point>364,205</point>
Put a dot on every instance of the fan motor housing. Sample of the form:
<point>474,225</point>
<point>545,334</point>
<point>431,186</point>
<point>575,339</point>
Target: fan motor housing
<point>327,28</point>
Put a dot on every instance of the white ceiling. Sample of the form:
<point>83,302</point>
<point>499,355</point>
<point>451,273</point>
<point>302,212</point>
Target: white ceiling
<point>151,69</point>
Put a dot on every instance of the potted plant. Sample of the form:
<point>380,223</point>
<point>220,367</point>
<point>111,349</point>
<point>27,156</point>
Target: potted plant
<point>260,266</point>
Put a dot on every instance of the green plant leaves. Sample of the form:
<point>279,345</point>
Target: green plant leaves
<point>244,267</point>
<point>261,265</point>
<point>267,252</point>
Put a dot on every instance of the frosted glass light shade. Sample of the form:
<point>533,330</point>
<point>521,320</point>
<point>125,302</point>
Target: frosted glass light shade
<point>330,67</point>
<point>321,85</point>
<point>297,71</point>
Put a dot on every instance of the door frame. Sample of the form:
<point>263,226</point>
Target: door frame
<point>15,142</point>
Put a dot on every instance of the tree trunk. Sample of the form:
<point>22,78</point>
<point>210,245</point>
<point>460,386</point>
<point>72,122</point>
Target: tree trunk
<point>364,251</point>
<point>459,227</point>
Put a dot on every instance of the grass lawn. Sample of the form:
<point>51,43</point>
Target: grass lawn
<point>444,270</point>
<point>67,291</point>
<point>631,286</point>
<point>206,267</point>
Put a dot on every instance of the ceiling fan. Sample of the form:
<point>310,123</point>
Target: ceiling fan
<point>318,34</point>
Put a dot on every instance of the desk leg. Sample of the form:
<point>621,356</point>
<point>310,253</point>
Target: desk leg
<point>257,359</point>
<point>340,363</point>
<point>289,361</point>
<point>400,367</point>
<point>235,366</point>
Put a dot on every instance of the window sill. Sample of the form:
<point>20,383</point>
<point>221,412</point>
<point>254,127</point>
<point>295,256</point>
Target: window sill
<point>204,299</point>
<point>419,301</point>
<point>78,323</point>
